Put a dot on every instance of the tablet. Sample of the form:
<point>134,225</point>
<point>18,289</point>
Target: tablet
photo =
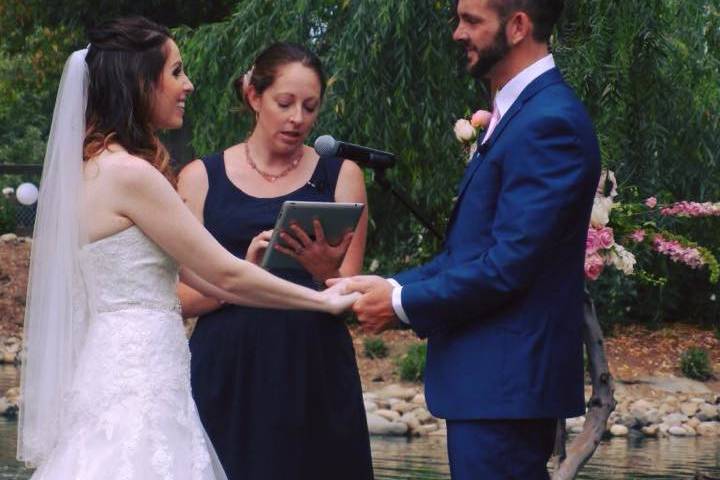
<point>336,219</point>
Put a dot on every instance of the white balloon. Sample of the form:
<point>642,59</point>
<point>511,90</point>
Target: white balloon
<point>26,193</point>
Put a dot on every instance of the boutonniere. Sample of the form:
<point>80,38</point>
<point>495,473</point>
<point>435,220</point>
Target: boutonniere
<point>467,131</point>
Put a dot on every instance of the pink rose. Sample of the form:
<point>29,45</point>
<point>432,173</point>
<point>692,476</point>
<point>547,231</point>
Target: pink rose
<point>594,266</point>
<point>651,202</point>
<point>592,243</point>
<point>605,237</point>
<point>481,119</point>
<point>637,236</point>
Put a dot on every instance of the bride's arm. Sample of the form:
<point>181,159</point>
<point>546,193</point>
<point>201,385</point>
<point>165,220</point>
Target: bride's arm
<point>193,187</point>
<point>146,198</point>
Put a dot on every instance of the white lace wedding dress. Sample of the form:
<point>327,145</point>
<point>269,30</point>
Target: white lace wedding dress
<point>130,413</point>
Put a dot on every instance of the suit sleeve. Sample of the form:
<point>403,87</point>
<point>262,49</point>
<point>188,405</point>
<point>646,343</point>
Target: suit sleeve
<point>421,272</point>
<point>544,176</point>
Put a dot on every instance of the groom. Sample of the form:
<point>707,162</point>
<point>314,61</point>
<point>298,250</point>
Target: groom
<point>502,303</point>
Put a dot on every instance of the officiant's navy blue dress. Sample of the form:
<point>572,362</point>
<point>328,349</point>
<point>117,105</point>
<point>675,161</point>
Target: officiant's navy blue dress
<point>278,391</point>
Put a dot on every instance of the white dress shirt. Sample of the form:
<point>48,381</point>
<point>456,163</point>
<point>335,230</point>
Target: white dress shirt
<point>504,99</point>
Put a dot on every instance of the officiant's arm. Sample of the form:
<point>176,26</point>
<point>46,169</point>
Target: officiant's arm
<point>193,188</point>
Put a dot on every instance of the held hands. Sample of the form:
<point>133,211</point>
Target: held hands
<point>338,298</point>
<point>317,256</point>
<point>374,308</point>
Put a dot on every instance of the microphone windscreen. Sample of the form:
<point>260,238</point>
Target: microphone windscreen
<point>325,145</point>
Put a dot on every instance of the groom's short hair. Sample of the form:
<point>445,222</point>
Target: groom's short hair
<point>544,14</point>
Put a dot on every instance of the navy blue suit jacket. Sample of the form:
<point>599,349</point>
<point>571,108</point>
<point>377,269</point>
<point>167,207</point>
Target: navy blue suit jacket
<point>502,304</point>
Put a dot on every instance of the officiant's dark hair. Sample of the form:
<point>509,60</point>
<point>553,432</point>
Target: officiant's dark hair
<point>544,14</point>
<point>264,70</point>
<point>125,60</point>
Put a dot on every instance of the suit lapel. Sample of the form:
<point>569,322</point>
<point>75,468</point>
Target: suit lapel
<point>548,78</point>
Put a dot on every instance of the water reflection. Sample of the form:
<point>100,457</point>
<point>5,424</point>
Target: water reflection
<point>426,458</point>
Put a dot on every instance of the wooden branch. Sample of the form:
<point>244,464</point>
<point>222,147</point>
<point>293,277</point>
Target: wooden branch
<point>601,404</point>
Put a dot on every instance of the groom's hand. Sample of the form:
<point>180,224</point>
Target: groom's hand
<point>374,308</point>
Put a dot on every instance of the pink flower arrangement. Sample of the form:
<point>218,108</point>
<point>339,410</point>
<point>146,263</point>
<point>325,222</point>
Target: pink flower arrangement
<point>594,265</point>
<point>691,209</point>
<point>633,223</point>
<point>690,256</point>
<point>599,239</point>
<point>637,236</point>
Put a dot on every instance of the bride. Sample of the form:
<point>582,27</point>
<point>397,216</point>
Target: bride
<point>105,378</point>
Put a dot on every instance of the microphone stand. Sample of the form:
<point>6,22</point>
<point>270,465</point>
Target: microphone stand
<point>384,182</point>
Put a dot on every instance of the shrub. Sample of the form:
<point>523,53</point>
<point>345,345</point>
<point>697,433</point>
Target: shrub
<point>375,348</point>
<point>695,363</point>
<point>8,219</point>
<point>412,364</point>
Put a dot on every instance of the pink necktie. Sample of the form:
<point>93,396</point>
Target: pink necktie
<point>493,122</point>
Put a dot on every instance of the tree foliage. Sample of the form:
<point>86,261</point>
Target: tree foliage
<point>647,70</point>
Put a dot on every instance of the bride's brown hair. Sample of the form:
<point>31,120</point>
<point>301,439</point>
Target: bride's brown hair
<point>125,59</point>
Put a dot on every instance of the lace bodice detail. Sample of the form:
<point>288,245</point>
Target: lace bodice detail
<point>129,412</point>
<point>129,270</point>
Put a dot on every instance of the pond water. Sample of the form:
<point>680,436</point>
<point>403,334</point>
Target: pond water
<point>426,458</point>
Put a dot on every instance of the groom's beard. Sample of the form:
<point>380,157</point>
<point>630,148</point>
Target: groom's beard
<point>489,56</point>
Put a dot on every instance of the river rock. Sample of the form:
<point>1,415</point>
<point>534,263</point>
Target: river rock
<point>619,430</point>
<point>370,396</point>
<point>628,420</point>
<point>675,419</point>
<point>689,408</point>
<point>396,391</point>
<point>693,423</point>
<point>650,430</point>
<point>8,237</point>
<point>4,405</point>
<point>708,429</point>
<point>378,425</point>
<point>666,408</point>
<point>427,429</point>
<point>639,407</point>
<point>678,431</point>
<point>707,412</point>
<point>390,415</point>
<point>404,407</point>
<point>370,406</point>
<point>8,357</point>
<point>422,415</point>
<point>411,421</point>
<point>419,399</point>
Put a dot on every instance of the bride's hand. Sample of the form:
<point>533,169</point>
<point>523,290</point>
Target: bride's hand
<point>336,299</point>
<point>257,247</point>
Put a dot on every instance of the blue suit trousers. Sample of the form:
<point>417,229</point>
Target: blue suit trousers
<point>500,449</point>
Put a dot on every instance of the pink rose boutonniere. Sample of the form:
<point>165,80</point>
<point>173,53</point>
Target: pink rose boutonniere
<point>467,131</point>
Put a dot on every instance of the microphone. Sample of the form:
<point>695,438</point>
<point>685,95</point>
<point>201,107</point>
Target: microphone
<point>326,145</point>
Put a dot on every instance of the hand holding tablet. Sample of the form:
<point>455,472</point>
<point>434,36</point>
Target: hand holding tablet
<point>336,219</point>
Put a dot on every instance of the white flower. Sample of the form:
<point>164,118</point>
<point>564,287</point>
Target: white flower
<point>8,192</point>
<point>464,131</point>
<point>600,215</point>
<point>374,265</point>
<point>622,259</point>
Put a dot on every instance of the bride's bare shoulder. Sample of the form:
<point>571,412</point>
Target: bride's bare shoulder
<point>123,168</point>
